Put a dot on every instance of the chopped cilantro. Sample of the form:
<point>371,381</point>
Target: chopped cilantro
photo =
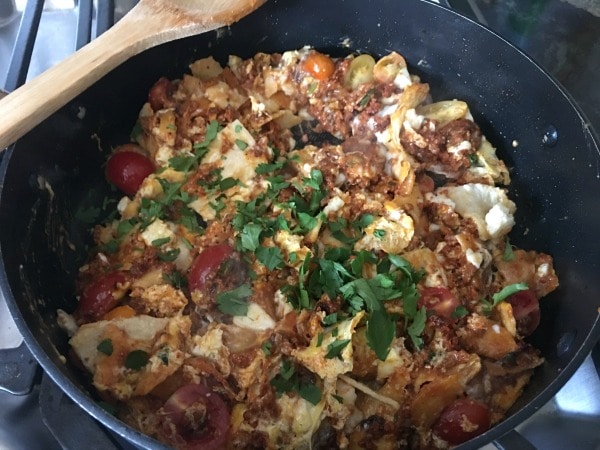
<point>169,255</point>
<point>474,160</point>
<point>364,221</point>
<point>266,347</point>
<point>235,302</point>
<point>160,241</point>
<point>270,257</point>
<point>241,144</point>
<point>310,393</point>
<point>111,247</point>
<point>319,339</point>
<point>379,234</point>
<point>228,183</point>
<point>381,330</point>
<point>508,254</point>
<point>136,131</point>
<point>507,291</point>
<point>124,227</point>
<point>175,279</point>
<point>330,319</point>
<point>415,329</point>
<point>366,98</point>
<point>264,168</point>
<point>287,380</point>
<point>335,348</point>
<point>211,133</point>
<point>163,355</point>
<point>460,312</point>
<point>250,236</point>
<point>105,346</point>
<point>137,360</point>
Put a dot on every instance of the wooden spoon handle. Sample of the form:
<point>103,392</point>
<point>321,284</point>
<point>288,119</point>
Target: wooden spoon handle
<point>144,27</point>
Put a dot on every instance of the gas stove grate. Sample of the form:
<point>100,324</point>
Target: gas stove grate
<point>92,20</point>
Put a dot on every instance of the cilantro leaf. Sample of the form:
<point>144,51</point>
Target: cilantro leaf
<point>507,291</point>
<point>137,359</point>
<point>160,241</point>
<point>242,145</point>
<point>379,233</point>
<point>310,393</point>
<point>169,255</point>
<point>264,168</point>
<point>380,332</point>
<point>250,236</point>
<point>105,346</point>
<point>417,326</point>
<point>335,348</point>
<point>460,312</point>
<point>270,257</point>
<point>508,254</point>
<point>235,302</point>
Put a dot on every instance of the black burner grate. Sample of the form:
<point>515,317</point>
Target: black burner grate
<point>92,20</point>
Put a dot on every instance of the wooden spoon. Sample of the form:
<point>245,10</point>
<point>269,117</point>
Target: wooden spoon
<point>149,23</point>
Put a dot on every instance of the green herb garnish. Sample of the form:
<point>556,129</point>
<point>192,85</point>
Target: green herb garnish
<point>137,360</point>
<point>105,346</point>
<point>235,302</point>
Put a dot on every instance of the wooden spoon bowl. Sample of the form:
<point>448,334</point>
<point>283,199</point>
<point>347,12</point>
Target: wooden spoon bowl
<point>149,23</point>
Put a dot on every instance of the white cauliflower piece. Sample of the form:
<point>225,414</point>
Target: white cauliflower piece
<point>392,234</point>
<point>313,356</point>
<point>488,206</point>
<point>255,319</point>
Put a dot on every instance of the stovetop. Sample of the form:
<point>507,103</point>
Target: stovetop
<point>563,36</point>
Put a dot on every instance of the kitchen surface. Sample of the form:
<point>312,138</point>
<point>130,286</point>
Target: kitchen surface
<point>562,36</point>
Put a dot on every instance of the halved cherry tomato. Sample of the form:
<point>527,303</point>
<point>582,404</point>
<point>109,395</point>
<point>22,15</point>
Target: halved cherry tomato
<point>526,310</point>
<point>98,297</point>
<point>195,417</point>
<point>207,264</point>
<point>441,301</point>
<point>319,66</point>
<point>160,93</point>
<point>127,170</point>
<point>462,420</point>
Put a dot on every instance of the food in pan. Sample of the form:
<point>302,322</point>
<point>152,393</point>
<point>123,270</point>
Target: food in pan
<point>311,253</point>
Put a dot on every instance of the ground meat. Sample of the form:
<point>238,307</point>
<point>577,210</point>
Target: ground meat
<point>161,94</point>
<point>434,145</point>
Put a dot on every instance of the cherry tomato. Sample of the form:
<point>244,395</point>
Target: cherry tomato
<point>439,300</point>
<point>127,170</point>
<point>98,297</point>
<point>207,264</point>
<point>160,93</point>
<point>319,66</point>
<point>197,416</point>
<point>462,420</point>
<point>526,310</point>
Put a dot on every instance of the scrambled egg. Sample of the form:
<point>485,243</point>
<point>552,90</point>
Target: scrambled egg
<point>297,255</point>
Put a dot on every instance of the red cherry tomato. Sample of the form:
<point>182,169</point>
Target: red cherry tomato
<point>127,169</point>
<point>206,265</point>
<point>195,417</point>
<point>526,310</point>
<point>98,297</point>
<point>439,300</point>
<point>462,420</point>
<point>319,66</point>
<point>159,93</point>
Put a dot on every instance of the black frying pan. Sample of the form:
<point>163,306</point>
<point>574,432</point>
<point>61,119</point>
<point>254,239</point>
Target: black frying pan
<point>56,169</point>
